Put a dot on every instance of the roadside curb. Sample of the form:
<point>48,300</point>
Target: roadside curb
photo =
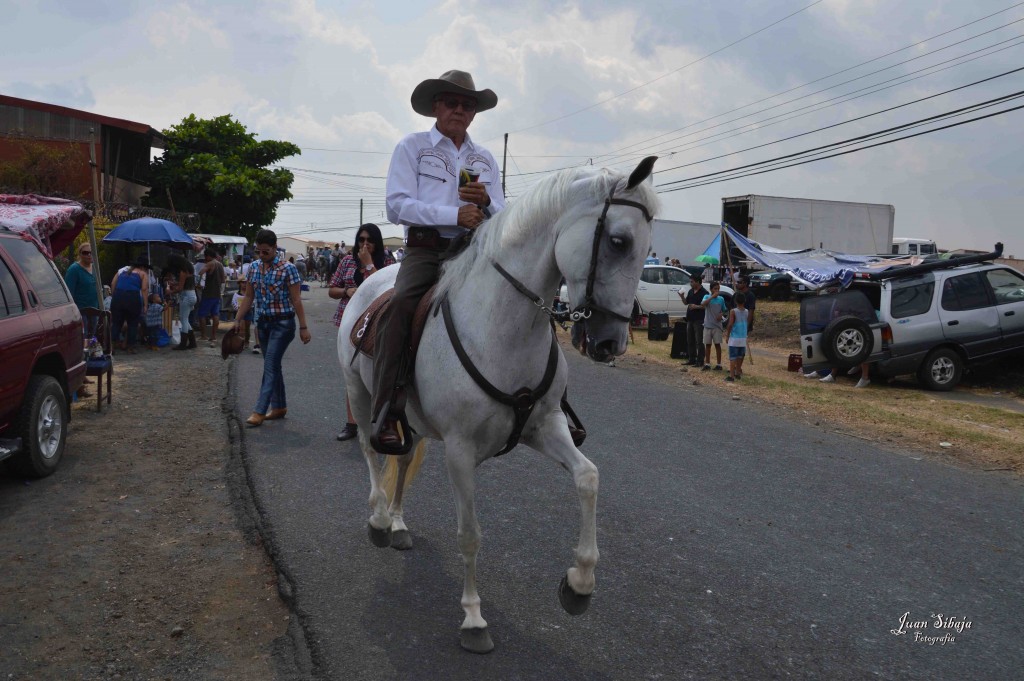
<point>250,517</point>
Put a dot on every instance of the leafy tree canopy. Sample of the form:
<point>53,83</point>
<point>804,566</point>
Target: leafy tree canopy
<point>216,168</point>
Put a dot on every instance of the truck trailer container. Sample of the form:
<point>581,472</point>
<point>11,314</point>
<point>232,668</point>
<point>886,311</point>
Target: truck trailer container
<point>794,224</point>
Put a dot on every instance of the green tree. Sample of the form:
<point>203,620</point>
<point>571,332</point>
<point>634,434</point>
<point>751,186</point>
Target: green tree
<point>216,168</point>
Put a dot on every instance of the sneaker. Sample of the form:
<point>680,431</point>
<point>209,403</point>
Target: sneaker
<point>730,379</point>
<point>863,383</point>
<point>256,349</point>
<point>828,379</point>
<point>718,367</point>
<point>813,374</point>
<point>707,367</point>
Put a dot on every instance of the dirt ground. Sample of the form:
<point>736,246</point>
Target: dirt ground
<point>130,562</point>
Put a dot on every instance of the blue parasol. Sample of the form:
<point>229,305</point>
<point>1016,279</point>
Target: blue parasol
<point>149,230</point>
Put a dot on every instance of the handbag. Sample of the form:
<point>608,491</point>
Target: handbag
<point>176,331</point>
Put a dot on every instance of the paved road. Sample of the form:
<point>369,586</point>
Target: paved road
<point>733,545</point>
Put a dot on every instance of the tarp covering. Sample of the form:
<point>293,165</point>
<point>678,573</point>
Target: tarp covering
<point>813,267</point>
<point>53,223</point>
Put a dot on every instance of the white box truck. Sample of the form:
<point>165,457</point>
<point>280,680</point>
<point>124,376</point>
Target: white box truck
<point>793,224</point>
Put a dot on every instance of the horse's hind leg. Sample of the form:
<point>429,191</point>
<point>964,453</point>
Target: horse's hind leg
<point>461,466</point>
<point>553,440</point>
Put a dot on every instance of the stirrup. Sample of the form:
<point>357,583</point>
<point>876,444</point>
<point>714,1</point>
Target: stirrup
<point>398,414</point>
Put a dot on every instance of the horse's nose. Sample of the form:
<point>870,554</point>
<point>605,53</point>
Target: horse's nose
<point>608,348</point>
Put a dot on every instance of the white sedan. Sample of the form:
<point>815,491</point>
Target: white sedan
<point>658,291</point>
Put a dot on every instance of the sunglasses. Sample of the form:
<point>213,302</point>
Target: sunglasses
<point>453,103</point>
<point>85,252</point>
<point>363,238</point>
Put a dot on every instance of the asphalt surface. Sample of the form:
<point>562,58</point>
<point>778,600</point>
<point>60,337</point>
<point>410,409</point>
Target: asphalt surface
<point>734,544</point>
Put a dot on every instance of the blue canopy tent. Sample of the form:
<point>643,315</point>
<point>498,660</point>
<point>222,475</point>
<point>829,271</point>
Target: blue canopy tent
<point>813,267</point>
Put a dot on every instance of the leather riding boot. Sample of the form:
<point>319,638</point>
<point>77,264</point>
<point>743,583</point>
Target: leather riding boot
<point>183,343</point>
<point>191,340</point>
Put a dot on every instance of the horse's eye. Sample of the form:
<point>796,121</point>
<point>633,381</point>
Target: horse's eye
<point>619,243</point>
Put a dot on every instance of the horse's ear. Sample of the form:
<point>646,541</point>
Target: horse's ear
<point>642,172</point>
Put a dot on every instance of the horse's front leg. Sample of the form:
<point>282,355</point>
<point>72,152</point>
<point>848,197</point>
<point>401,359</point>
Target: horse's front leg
<point>552,439</point>
<point>461,468</point>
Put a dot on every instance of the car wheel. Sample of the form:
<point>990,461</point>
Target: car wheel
<point>780,292</point>
<point>43,428</point>
<point>941,370</point>
<point>847,342</point>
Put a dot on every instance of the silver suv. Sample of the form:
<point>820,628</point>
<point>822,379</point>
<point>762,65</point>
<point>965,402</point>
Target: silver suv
<point>931,323</point>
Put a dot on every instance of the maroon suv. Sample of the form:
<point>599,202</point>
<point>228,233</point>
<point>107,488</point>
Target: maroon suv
<point>41,357</point>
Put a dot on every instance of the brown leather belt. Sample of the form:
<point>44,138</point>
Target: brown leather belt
<point>427,237</point>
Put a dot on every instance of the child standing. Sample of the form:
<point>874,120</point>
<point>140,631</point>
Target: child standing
<point>714,313</point>
<point>154,319</point>
<point>736,338</point>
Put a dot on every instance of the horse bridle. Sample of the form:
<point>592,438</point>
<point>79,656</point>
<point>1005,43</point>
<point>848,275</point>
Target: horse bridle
<point>587,308</point>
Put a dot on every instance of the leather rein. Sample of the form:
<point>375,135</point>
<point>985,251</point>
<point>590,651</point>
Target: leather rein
<point>525,399</point>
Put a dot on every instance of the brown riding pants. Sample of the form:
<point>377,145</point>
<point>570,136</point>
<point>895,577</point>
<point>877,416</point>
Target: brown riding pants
<point>418,272</point>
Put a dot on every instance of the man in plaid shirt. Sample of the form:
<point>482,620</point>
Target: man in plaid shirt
<point>275,290</point>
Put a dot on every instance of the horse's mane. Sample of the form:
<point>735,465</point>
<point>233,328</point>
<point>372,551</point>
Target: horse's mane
<point>539,208</point>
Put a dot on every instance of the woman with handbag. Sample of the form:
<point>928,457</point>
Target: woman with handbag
<point>367,258</point>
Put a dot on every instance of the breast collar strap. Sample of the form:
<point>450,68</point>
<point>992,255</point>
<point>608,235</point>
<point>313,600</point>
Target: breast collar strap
<point>589,305</point>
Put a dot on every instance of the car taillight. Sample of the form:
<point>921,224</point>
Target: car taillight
<point>887,334</point>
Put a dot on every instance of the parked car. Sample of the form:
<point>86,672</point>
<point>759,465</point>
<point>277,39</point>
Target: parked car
<point>658,291</point>
<point>933,321</point>
<point>772,284</point>
<point>41,343</point>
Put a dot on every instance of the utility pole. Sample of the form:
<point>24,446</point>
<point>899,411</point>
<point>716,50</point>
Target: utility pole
<point>99,211</point>
<point>360,211</point>
<point>504,156</point>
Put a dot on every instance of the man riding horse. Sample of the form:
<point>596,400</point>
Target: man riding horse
<point>424,193</point>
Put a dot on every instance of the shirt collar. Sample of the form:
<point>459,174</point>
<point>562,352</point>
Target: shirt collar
<point>436,137</point>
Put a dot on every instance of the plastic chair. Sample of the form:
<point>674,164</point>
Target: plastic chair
<point>99,321</point>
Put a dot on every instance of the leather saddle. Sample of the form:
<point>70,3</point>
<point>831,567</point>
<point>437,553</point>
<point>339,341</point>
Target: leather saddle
<point>364,331</point>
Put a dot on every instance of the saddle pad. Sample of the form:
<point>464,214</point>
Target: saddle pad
<point>364,332</point>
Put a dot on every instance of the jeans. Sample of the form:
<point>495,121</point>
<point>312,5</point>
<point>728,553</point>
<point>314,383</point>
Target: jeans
<point>274,336</point>
<point>186,303</point>
<point>694,336</point>
<point>125,308</point>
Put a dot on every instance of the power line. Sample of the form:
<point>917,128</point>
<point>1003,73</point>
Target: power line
<point>842,153</point>
<point>817,80</point>
<point>666,75</point>
<point>835,125</point>
<point>645,151</point>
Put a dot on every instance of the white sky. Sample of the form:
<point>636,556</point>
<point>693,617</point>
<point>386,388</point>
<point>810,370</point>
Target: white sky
<point>331,75</point>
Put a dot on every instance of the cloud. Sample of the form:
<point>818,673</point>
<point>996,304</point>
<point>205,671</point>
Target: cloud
<point>367,131</point>
<point>75,94</point>
<point>306,17</point>
<point>181,24</point>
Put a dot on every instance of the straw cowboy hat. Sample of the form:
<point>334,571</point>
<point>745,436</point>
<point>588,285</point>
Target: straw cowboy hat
<point>457,82</point>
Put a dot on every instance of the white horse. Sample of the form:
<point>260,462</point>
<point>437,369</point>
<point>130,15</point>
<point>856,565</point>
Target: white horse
<point>591,226</point>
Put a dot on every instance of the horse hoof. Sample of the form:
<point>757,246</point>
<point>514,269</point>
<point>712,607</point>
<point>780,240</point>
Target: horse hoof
<point>476,640</point>
<point>380,538</point>
<point>572,602</point>
<point>401,540</point>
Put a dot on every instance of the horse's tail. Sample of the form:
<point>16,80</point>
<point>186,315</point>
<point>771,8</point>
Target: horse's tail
<point>389,478</point>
